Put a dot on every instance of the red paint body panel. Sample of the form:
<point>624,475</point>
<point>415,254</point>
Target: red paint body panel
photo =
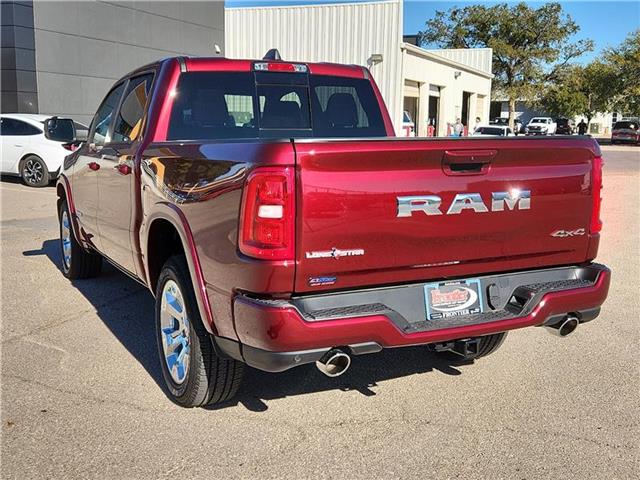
<point>211,210</point>
<point>282,329</point>
<point>217,65</point>
<point>162,102</point>
<point>347,200</point>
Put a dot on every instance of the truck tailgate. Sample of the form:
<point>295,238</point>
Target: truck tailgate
<point>377,212</point>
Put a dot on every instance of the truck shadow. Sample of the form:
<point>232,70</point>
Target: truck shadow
<point>126,308</point>
<point>364,376</point>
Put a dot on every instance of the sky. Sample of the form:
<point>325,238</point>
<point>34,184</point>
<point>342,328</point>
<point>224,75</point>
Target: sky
<point>607,23</point>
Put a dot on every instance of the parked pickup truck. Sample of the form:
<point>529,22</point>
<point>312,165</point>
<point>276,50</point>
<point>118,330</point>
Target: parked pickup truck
<point>266,206</point>
<point>540,126</point>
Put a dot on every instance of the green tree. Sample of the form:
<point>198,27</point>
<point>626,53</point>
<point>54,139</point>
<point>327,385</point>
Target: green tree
<point>530,45</point>
<point>578,90</point>
<point>595,84</point>
<point>624,64</point>
<point>565,96</point>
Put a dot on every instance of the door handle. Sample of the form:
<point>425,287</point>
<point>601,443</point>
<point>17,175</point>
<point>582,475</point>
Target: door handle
<point>94,166</point>
<point>467,162</point>
<point>123,169</point>
<point>17,145</point>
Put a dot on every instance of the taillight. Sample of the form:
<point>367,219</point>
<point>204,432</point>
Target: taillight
<point>72,147</point>
<point>596,192</point>
<point>267,224</point>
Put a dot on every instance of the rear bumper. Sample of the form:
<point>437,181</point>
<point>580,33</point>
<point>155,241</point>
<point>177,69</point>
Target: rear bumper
<point>277,335</point>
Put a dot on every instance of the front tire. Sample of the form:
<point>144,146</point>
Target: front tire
<point>194,374</point>
<point>76,262</point>
<point>34,172</point>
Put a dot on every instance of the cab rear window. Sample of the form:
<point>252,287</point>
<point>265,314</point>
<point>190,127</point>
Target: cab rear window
<point>222,105</point>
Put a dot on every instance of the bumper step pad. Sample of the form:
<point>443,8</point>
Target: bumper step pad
<point>522,301</point>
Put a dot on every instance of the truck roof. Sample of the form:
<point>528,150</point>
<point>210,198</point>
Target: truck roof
<point>223,64</point>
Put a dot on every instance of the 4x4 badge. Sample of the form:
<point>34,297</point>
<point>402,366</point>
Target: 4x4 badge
<point>568,233</point>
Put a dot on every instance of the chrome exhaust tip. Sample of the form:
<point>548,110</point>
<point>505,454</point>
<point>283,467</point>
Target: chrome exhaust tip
<point>334,363</point>
<point>564,327</point>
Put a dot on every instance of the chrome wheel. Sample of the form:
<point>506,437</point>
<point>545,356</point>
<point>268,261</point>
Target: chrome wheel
<point>175,331</point>
<point>65,238</point>
<point>33,173</point>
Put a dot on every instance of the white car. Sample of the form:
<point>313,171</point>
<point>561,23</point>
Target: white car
<point>493,131</point>
<point>30,150</point>
<point>541,126</point>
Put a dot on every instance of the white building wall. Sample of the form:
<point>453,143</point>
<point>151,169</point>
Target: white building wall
<point>340,33</point>
<point>478,58</point>
<point>428,68</point>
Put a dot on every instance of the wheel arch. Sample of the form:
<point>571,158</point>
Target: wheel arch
<point>168,222</point>
<point>163,241</point>
<point>24,159</point>
<point>63,192</point>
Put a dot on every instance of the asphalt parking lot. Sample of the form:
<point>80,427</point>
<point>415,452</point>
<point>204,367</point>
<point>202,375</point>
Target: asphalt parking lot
<point>81,395</point>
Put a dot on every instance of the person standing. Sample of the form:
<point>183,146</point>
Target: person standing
<point>582,127</point>
<point>458,128</point>
<point>431,129</point>
<point>517,126</point>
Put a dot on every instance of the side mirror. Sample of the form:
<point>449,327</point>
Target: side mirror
<point>60,130</point>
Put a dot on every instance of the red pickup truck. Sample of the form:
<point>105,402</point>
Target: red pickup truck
<point>266,206</point>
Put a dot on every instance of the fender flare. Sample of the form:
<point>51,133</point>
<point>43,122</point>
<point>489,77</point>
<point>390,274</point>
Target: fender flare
<point>63,183</point>
<point>171,213</point>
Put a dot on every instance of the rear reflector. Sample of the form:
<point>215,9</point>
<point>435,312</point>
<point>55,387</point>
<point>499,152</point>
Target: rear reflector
<point>596,193</point>
<point>279,67</point>
<point>268,214</point>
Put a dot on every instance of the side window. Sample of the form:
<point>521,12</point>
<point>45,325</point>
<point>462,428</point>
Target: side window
<point>128,126</point>
<point>213,105</point>
<point>13,127</point>
<point>102,120</point>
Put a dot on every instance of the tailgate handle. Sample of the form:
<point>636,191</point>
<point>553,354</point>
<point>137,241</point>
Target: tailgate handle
<point>467,162</point>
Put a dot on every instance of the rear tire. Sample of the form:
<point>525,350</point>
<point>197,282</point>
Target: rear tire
<point>76,261</point>
<point>194,374</point>
<point>488,345</point>
<point>34,172</point>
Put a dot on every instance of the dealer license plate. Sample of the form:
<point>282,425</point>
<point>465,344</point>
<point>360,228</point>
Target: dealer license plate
<point>453,299</point>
